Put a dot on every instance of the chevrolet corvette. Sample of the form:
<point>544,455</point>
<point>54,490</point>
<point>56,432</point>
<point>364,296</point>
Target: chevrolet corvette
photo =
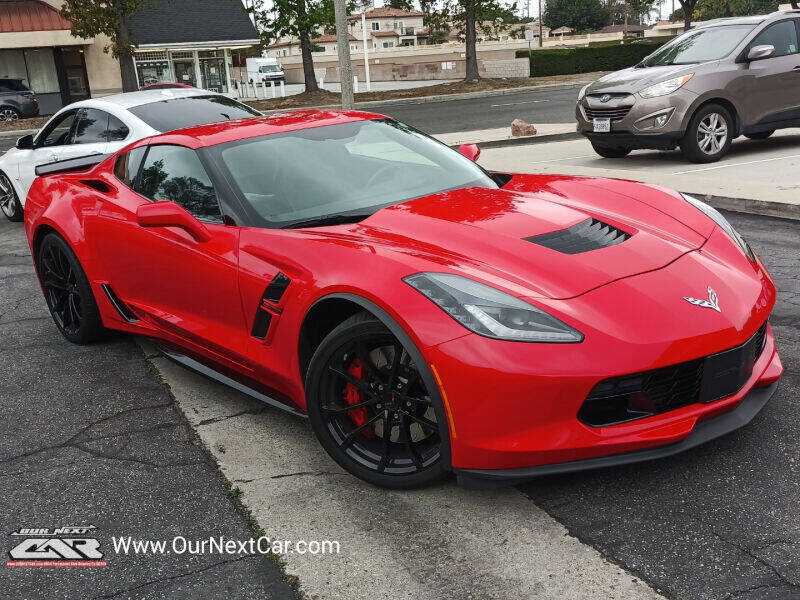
<point>426,315</point>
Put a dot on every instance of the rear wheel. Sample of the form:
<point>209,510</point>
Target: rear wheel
<point>609,152</point>
<point>370,408</point>
<point>9,202</point>
<point>708,136</point>
<point>67,292</point>
<point>761,135</point>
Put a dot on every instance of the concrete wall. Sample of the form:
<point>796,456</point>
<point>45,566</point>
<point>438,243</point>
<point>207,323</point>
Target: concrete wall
<point>514,67</point>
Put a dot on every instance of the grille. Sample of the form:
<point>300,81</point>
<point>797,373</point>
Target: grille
<point>587,235</point>
<point>628,397</point>
<point>615,114</point>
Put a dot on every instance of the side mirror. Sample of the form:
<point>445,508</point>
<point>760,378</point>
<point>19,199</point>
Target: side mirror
<point>471,151</point>
<point>25,142</point>
<point>761,52</point>
<point>169,214</point>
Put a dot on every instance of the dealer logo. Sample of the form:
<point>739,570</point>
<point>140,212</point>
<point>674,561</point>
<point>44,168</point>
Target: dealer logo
<point>58,547</point>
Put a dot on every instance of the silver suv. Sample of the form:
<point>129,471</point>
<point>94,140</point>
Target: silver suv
<point>723,79</point>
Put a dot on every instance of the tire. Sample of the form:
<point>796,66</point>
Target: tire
<point>67,292</point>
<point>609,152</point>
<point>9,201</point>
<point>761,135</point>
<point>9,113</point>
<point>709,134</point>
<point>362,362</point>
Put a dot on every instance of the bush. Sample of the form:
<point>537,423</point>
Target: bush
<point>568,61</point>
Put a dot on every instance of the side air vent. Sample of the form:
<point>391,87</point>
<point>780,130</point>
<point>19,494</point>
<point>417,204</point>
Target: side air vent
<point>271,296</point>
<point>96,184</point>
<point>123,309</point>
<point>276,288</point>
<point>587,235</point>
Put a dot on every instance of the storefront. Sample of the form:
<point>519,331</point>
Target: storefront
<point>190,42</point>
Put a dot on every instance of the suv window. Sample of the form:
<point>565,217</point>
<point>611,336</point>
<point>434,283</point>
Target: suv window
<point>175,173</point>
<point>178,113</point>
<point>782,35</point>
<point>12,85</point>
<point>92,127</point>
<point>57,132</point>
<point>127,166</point>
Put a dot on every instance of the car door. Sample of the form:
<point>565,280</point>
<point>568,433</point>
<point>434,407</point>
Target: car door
<point>185,288</point>
<point>772,90</point>
<point>47,147</point>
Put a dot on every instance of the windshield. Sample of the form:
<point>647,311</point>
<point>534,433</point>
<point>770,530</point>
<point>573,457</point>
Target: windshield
<point>354,168</point>
<point>270,68</point>
<point>178,113</point>
<point>698,45</point>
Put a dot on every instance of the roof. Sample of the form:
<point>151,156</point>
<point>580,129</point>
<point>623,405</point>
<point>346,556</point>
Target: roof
<point>132,99</point>
<point>384,34</point>
<point>30,15</point>
<point>563,30</point>
<point>386,11</point>
<point>228,131</point>
<point>329,38</point>
<point>187,21</point>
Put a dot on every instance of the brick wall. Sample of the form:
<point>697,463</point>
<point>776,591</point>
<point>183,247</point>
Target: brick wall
<point>515,67</point>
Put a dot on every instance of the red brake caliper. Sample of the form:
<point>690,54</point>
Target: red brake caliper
<point>352,395</point>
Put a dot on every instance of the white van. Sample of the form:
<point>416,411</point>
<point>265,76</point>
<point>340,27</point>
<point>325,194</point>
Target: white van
<point>264,70</point>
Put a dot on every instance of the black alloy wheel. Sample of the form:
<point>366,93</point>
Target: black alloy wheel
<point>9,202</point>
<point>371,409</point>
<point>67,292</point>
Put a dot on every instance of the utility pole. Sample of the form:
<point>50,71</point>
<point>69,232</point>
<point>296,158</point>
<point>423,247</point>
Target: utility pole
<point>364,35</point>
<point>343,42</point>
<point>541,39</point>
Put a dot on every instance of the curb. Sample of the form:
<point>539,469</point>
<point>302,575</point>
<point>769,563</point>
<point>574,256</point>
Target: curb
<point>764,208</point>
<point>16,133</point>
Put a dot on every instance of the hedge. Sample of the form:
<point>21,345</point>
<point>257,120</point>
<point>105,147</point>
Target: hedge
<point>567,61</point>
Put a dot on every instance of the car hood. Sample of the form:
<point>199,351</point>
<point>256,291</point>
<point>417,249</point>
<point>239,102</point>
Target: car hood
<point>635,79</point>
<point>487,234</point>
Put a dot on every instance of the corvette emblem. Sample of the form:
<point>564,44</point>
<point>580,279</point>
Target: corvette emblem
<point>712,302</point>
<point>605,97</point>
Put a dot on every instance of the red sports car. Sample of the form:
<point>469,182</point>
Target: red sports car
<point>427,315</point>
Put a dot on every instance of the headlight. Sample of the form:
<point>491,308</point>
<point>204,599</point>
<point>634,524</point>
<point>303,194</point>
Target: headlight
<point>490,312</point>
<point>665,87</point>
<point>582,93</point>
<point>713,214</point>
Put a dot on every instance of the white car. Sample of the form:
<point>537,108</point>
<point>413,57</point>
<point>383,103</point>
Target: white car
<point>103,126</point>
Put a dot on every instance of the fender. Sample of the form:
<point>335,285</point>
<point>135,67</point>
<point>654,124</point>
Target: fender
<point>405,339</point>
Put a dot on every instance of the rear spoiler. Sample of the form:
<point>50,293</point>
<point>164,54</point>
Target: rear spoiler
<point>71,165</point>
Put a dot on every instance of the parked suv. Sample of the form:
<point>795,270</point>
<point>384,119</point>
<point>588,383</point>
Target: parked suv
<point>723,79</point>
<point>16,100</point>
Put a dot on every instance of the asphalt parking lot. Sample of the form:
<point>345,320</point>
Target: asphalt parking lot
<point>91,435</point>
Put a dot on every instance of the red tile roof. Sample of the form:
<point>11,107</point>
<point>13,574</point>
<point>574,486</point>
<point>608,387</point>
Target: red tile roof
<point>384,34</point>
<point>29,15</point>
<point>330,38</point>
<point>386,11</point>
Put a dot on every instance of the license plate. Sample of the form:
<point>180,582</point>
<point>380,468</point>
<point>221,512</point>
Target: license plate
<point>602,125</point>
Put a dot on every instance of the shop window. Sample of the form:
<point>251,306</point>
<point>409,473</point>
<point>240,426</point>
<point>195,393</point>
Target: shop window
<point>42,76</point>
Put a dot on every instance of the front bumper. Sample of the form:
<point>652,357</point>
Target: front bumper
<point>635,129</point>
<point>703,432</point>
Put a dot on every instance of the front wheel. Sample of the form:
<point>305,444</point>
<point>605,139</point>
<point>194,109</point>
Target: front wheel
<point>9,202</point>
<point>370,408</point>
<point>708,136</point>
<point>611,152</point>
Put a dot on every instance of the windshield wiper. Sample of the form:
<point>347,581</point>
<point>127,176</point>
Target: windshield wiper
<point>337,219</point>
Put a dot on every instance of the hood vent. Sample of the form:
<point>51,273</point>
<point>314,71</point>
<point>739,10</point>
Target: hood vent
<point>587,235</point>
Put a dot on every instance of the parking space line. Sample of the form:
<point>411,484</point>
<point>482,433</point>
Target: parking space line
<point>749,162</point>
<point>563,159</point>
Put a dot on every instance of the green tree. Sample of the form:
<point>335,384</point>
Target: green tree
<point>400,4</point>
<point>714,9</point>
<point>465,14</point>
<point>437,19</point>
<point>300,19</point>
<point>90,18</point>
<point>581,15</point>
